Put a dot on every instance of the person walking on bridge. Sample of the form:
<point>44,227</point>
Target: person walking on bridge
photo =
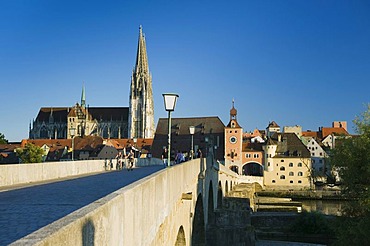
<point>131,159</point>
<point>165,157</point>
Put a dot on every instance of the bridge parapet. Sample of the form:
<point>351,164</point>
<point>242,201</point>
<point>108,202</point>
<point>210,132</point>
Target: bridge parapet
<point>172,206</point>
<point>147,212</point>
<point>16,174</point>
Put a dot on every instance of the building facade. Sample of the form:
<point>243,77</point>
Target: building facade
<point>287,163</point>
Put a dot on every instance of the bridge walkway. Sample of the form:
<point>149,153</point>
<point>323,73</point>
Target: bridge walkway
<point>25,209</point>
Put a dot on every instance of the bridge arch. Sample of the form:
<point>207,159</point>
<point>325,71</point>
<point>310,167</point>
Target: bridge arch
<point>198,236</point>
<point>252,169</point>
<point>211,211</point>
<point>234,168</point>
<point>180,240</point>
<point>219,195</point>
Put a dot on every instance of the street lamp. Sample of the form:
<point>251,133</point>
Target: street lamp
<point>192,131</point>
<point>72,132</point>
<point>169,104</point>
<point>135,141</point>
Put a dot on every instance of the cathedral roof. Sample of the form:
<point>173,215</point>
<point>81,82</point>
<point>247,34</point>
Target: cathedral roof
<point>98,113</point>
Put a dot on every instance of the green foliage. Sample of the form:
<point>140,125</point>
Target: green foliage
<point>353,231</point>
<point>30,153</point>
<point>351,158</point>
<point>311,223</point>
<point>2,139</point>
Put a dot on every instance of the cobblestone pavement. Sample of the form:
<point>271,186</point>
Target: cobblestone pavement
<point>25,210</point>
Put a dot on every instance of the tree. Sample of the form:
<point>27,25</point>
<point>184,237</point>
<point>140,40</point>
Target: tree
<point>351,158</point>
<point>30,153</point>
<point>2,139</point>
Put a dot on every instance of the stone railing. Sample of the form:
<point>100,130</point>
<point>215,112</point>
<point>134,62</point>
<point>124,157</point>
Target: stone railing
<point>152,206</point>
<point>17,174</point>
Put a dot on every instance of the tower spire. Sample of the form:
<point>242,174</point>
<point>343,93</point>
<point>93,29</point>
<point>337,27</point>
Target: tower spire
<point>83,96</point>
<point>233,111</point>
<point>141,57</point>
<point>141,112</point>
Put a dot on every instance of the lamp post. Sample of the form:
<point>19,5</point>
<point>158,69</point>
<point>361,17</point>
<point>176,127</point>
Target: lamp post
<point>72,132</point>
<point>192,131</point>
<point>135,141</point>
<point>169,104</point>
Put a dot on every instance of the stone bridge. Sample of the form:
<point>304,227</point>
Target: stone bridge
<point>181,205</point>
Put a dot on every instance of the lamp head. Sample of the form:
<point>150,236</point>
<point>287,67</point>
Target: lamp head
<point>72,131</point>
<point>170,101</point>
<point>192,130</point>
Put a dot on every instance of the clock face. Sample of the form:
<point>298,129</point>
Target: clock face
<point>233,139</point>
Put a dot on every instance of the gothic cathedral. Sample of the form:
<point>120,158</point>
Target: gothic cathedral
<point>141,110</point>
<point>135,121</point>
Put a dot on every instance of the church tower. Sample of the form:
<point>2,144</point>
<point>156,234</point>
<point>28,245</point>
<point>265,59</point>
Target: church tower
<point>141,109</point>
<point>233,140</point>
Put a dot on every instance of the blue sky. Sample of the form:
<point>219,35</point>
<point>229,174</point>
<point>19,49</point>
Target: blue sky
<point>296,62</point>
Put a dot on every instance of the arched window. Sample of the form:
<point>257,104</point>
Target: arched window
<point>282,176</point>
<point>282,168</point>
<point>291,174</point>
<point>291,164</point>
<point>300,164</point>
<point>273,181</point>
<point>300,174</point>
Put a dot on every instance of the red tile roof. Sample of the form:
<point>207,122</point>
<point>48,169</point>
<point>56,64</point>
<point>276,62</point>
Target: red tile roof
<point>333,130</point>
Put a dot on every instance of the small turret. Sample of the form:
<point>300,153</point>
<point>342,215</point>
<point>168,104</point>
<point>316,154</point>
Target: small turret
<point>270,151</point>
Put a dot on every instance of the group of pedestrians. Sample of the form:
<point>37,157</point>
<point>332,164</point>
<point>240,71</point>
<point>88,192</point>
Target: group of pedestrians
<point>127,157</point>
<point>180,156</point>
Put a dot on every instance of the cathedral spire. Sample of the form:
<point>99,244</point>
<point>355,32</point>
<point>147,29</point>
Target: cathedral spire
<point>83,96</point>
<point>141,112</point>
<point>141,65</point>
